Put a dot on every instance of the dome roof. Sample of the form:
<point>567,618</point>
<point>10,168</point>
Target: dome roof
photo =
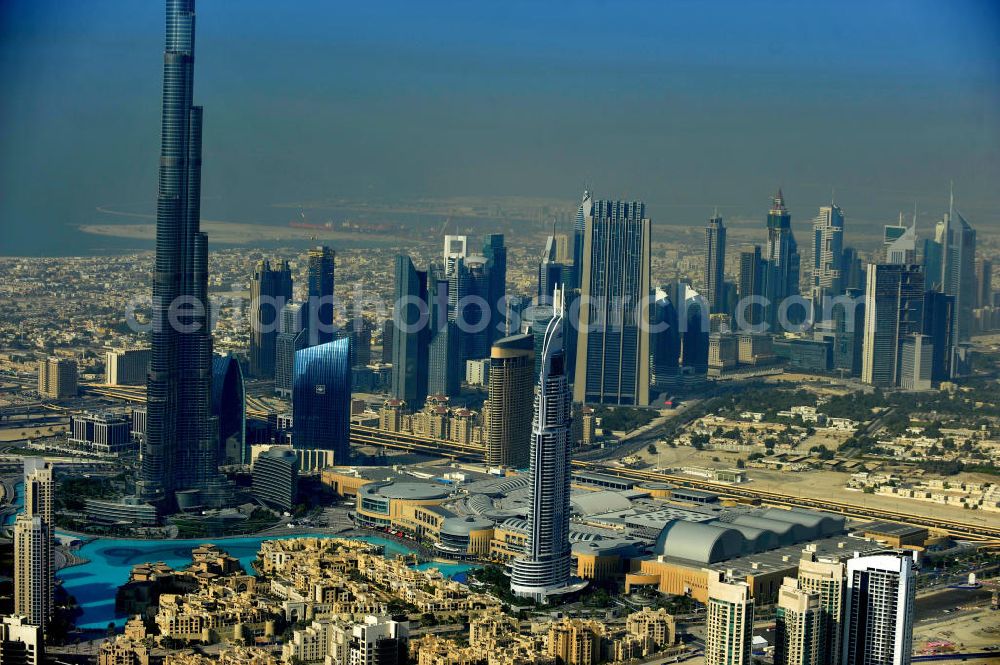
<point>462,526</point>
<point>699,542</point>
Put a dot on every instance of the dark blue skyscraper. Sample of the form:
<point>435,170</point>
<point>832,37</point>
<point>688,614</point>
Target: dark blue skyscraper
<point>320,294</point>
<point>179,451</point>
<point>782,262</point>
<point>229,408</point>
<point>612,355</point>
<point>444,362</point>
<point>715,264</point>
<point>410,334</point>
<point>321,398</point>
<point>270,291</point>
<point>496,287</point>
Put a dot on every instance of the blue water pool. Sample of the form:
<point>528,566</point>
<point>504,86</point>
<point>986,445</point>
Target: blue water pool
<point>94,584</point>
<point>18,503</point>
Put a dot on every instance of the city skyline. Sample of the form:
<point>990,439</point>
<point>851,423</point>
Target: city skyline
<point>690,102</point>
<point>400,420</point>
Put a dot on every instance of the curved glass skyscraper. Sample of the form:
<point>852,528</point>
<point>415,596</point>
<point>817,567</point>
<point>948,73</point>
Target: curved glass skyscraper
<point>321,398</point>
<point>179,452</point>
<point>229,408</point>
<point>545,568</point>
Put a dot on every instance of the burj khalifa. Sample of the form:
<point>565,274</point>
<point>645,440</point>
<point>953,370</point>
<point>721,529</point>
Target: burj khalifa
<point>179,453</point>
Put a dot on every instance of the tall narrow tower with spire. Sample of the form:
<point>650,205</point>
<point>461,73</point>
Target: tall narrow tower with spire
<point>781,267</point>
<point>545,568</point>
<point>179,453</point>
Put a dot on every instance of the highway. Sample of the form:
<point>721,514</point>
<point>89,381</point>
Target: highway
<point>986,535</point>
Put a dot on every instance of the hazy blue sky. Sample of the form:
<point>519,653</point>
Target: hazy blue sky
<point>684,104</point>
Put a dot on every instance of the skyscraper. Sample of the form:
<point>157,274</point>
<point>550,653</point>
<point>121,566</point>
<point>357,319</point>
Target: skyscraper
<point>849,333</point>
<point>878,610</point>
<point>665,341</point>
<point>828,256</point>
<point>955,245</point>
<point>292,337</point>
<point>939,311</point>
<point>410,333</point>
<point>583,214</point>
<point>781,261</point>
<point>545,567</point>
<point>826,578</point>
<point>728,622</point>
<point>916,358</point>
<point>444,358</point>
<point>751,285</point>
<point>899,243</point>
<point>612,356</point>
<point>320,294</point>
<point>797,622</point>
<point>472,310</point>
<point>179,450</point>
<point>321,398</point>
<point>496,284</point>
<point>894,304</point>
<point>984,284</point>
<point>270,290</point>
<point>508,411</point>
<point>229,410</point>
<point>715,264</point>
<point>550,272</point>
<point>33,546</point>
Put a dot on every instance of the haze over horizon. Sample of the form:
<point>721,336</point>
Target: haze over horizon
<point>684,104</point>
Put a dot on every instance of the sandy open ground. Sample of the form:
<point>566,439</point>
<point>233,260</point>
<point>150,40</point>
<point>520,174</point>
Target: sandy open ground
<point>816,484</point>
<point>236,233</point>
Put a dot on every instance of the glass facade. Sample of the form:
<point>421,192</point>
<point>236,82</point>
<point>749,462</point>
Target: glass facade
<point>321,398</point>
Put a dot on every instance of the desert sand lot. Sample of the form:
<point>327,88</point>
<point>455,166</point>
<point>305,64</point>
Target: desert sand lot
<point>817,484</point>
<point>971,628</point>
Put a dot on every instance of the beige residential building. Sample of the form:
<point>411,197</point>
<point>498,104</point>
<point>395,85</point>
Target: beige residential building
<point>57,377</point>
<point>826,578</point>
<point>729,622</point>
<point>20,642</point>
<point>797,622</point>
<point>575,641</point>
<point>33,546</point>
<point>508,412</point>
<point>658,627</point>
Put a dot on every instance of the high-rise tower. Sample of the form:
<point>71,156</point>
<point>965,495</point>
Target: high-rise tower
<point>270,291</point>
<point>179,451</point>
<point>781,256</point>
<point>878,610</point>
<point>33,546</point>
<point>612,355</point>
<point>410,334</point>
<point>825,577</point>
<point>728,621</point>
<point>797,629</point>
<point>545,568</point>
<point>508,411</point>
<point>579,229</point>
<point>715,263</point>
<point>894,306</point>
<point>828,256</point>
<point>320,294</point>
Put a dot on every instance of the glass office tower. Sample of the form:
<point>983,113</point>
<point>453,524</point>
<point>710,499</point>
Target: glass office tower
<point>321,398</point>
